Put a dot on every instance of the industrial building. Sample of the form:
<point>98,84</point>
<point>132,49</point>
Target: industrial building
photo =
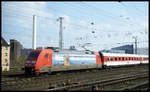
<point>127,48</point>
<point>15,51</point>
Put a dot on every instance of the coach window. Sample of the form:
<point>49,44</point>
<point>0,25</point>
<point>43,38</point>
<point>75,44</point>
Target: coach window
<point>111,58</point>
<point>46,55</point>
<point>129,58</point>
<point>122,58</point>
<point>119,58</point>
<point>107,58</point>
<point>115,58</point>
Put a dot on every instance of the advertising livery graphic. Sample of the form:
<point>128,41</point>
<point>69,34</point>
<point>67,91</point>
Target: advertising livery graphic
<point>72,59</point>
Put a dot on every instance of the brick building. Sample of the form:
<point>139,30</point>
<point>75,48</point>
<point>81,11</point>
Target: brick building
<point>15,51</point>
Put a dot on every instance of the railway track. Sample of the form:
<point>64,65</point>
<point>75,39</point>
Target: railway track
<point>101,82</point>
<point>58,80</point>
<point>16,79</point>
<point>141,87</point>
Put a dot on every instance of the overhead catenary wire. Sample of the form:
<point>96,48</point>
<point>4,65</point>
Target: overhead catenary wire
<point>43,17</point>
<point>77,25</point>
<point>109,15</point>
<point>125,7</point>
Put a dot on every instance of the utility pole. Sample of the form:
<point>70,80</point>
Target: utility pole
<point>135,45</point>
<point>34,32</point>
<point>60,34</point>
<point>135,37</point>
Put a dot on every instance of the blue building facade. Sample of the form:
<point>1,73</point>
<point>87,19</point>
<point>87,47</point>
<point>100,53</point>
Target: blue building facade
<point>128,49</point>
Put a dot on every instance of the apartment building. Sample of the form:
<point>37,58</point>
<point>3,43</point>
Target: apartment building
<point>5,55</point>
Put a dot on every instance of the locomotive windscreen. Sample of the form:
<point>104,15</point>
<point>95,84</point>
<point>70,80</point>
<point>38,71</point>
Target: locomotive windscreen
<point>34,55</point>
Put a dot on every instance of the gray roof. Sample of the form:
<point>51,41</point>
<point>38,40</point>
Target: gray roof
<point>3,42</point>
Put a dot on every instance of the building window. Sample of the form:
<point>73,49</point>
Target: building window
<point>6,60</point>
<point>6,64</point>
<point>6,48</point>
<point>6,54</point>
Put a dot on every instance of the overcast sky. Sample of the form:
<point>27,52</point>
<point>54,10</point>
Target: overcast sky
<point>103,24</point>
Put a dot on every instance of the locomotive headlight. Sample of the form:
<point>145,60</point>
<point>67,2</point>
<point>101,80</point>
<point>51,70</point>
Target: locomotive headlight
<point>33,62</point>
<point>27,61</point>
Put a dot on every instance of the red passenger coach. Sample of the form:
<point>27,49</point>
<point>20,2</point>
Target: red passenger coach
<point>116,59</point>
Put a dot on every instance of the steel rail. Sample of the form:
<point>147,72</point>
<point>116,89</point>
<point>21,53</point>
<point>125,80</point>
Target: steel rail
<point>134,86</point>
<point>97,82</point>
<point>57,78</point>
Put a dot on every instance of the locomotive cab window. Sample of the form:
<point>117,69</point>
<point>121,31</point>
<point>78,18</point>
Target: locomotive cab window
<point>46,55</point>
<point>33,55</point>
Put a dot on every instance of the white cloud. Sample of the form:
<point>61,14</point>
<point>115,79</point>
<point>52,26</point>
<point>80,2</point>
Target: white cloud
<point>26,10</point>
